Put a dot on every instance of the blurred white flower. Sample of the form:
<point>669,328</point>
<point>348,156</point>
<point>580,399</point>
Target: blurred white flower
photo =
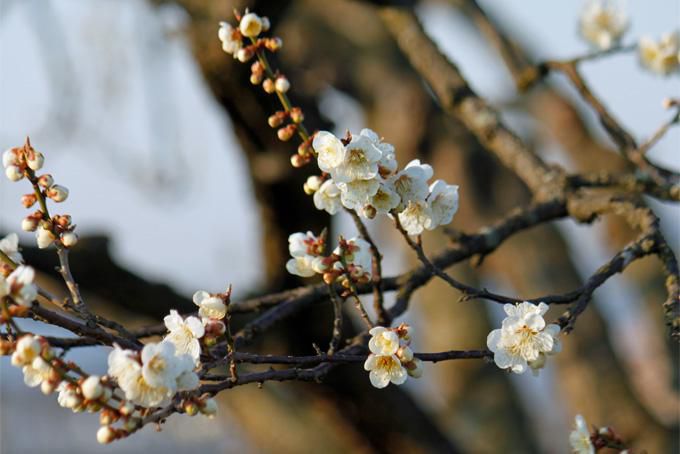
<point>230,37</point>
<point>28,348</point>
<point>328,197</point>
<point>184,334</point>
<point>603,23</point>
<point>19,285</point>
<point>443,202</point>
<point>388,162</point>
<point>663,56</point>
<point>385,369</point>
<point>250,25</point>
<point>301,266</point>
<point>359,255</point>
<point>523,337</point>
<point>209,306</point>
<point>44,237</point>
<point>10,246</point>
<point>301,244</point>
<point>36,372</point>
<point>579,438</point>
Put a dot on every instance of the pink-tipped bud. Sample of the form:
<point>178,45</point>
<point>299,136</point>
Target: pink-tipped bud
<point>245,54</point>
<point>276,119</point>
<point>36,161</point>
<point>57,193</point>
<point>45,181</point>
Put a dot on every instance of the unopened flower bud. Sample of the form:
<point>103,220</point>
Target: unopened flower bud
<point>29,224</point>
<point>14,173</point>
<point>256,79</point>
<point>126,408</point>
<point>28,200</point>
<point>298,161</point>
<point>47,387</point>
<point>313,184</point>
<point>268,86</point>
<point>296,115</point>
<point>57,193</point>
<point>415,368</point>
<point>273,44</point>
<point>44,237</point>
<point>286,133</point>
<point>282,85</point>
<point>10,157</point>
<point>276,119</point>
<point>304,149</point>
<point>245,54</point>
<point>328,278</point>
<point>6,347</point>
<point>45,181</point>
<point>266,25</point>
<point>405,354</point>
<point>251,25</point>
<point>209,407</point>
<point>69,239</point>
<point>92,388</point>
<point>105,435</point>
<point>36,161</point>
<point>190,408</point>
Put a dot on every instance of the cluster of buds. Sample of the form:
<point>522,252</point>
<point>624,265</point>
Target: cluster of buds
<point>123,413</point>
<point>205,405</point>
<point>349,263</point>
<point>25,161</point>
<point>391,359</point>
<point>250,26</point>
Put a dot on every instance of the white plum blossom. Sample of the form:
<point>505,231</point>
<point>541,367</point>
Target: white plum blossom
<point>388,162</point>
<point>385,199</point>
<point>184,334</point>
<point>159,367</point>
<point>663,56</point>
<point>383,341</point>
<point>603,23</point>
<point>19,285</point>
<point>209,306</point>
<point>443,203</point>
<point>10,246</point>
<point>327,197</point>
<point>230,38</point>
<point>303,249</point>
<point>523,337</point>
<point>360,161</point>
<point>358,193</point>
<point>385,369</point>
<point>411,183</point>
<point>415,217</point>
<point>579,438</point>
<point>330,150</point>
<point>28,348</point>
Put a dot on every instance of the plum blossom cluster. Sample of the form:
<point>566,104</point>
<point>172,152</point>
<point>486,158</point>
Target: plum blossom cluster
<point>524,339</point>
<point>603,23</point>
<point>351,259</point>
<point>661,56</point>
<point>151,378</point>
<point>25,162</point>
<point>361,173</point>
<point>391,359</point>
<point>16,284</point>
